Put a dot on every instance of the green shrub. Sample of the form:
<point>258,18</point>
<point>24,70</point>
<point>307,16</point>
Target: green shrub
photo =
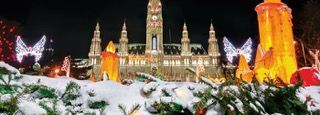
<point>71,93</point>
<point>98,104</point>
<point>50,110</point>
<point>9,106</point>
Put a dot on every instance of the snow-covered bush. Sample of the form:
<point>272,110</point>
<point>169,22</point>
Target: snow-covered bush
<point>232,98</point>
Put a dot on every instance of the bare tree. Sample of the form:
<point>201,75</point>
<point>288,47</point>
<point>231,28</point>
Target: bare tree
<point>307,31</point>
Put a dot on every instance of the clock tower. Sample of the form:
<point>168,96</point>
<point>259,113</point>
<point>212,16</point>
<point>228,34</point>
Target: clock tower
<point>154,28</point>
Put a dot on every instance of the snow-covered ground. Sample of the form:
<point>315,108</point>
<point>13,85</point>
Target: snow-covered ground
<point>116,94</point>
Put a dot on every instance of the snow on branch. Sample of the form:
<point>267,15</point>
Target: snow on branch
<point>148,76</point>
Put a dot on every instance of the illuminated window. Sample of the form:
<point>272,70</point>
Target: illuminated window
<point>178,62</point>
<point>194,62</point>
<point>154,42</point>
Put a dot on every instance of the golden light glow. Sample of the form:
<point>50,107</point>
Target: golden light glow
<point>244,72</point>
<point>217,80</point>
<point>275,29</point>
<point>56,71</point>
<point>111,47</point>
<point>110,63</point>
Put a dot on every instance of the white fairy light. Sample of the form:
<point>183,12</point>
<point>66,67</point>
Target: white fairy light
<point>36,50</point>
<point>66,65</point>
<point>231,51</point>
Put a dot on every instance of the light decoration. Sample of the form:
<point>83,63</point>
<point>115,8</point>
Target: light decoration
<point>244,72</point>
<point>109,64</point>
<point>8,34</point>
<point>276,37</point>
<point>66,66</point>
<point>22,49</point>
<point>231,51</point>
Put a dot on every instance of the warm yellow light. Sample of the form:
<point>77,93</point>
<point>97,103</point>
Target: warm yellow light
<point>275,29</point>
<point>244,72</point>
<point>111,47</point>
<point>56,71</point>
<point>135,113</point>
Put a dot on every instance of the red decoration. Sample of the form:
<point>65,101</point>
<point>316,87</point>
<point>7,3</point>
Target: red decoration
<point>8,34</point>
<point>202,111</point>
<point>308,75</point>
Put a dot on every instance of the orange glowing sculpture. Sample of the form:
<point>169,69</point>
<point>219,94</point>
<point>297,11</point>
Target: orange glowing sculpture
<point>244,72</point>
<point>110,63</point>
<point>275,28</point>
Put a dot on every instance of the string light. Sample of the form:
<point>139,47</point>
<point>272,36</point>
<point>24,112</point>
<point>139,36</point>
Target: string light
<point>22,49</point>
<point>66,65</point>
<point>231,51</point>
<point>8,30</point>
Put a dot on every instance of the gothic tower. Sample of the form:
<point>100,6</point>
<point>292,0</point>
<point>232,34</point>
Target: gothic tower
<point>123,41</point>
<point>154,28</point>
<point>185,42</point>
<point>95,52</point>
<point>213,48</point>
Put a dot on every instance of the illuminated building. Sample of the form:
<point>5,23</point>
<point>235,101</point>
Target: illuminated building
<point>95,53</point>
<point>171,60</point>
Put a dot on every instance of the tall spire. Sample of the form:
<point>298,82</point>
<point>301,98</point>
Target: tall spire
<point>124,32</point>
<point>211,27</point>
<point>124,27</point>
<point>185,33</point>
<point>123,41</point>
<point>97,26</point>
<point>213,48</point>
<point>95,52</point>
<point>185,42</point>
<point>212,34</point>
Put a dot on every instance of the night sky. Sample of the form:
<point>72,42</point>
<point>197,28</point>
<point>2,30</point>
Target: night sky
<point>71,24</point>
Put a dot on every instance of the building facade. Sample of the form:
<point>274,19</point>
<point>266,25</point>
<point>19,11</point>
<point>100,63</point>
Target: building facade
<point>169,60</point>
<point>95,53</point>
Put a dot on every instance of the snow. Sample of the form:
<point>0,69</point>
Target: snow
<point>313,93</point>
<point>148,76</point>
<point>5,97</point>
<point>10,68</point>
<point>115,94</point>
<point>30,108</point>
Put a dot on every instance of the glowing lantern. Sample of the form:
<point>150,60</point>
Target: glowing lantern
<point>244,72</point>
<point>110,63</point>
<point>263,67</point>
<point>275,29</point>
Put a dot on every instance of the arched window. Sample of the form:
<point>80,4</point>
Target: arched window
<point>154,41</point>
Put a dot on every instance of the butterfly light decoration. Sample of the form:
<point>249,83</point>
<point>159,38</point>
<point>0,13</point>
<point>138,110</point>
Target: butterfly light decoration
<point>231,51</point>
<point>23,50</point>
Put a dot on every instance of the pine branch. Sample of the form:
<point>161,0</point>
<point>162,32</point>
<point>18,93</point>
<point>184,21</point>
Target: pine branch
<point>122,109</point>
<point>134,108</point>
<point>149,77</point>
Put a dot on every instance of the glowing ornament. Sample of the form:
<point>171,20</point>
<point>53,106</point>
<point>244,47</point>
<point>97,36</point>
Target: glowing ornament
<point>66,66</point>
<point>244,72</point>
<point>36,50</point>
<point>110,63</point>
<point>275,29</point>
<point>233,52</point>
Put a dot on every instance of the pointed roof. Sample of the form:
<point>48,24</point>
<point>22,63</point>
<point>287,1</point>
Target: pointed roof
<point>97,26</point>
<point>185,26</point>
<point>124,27</point>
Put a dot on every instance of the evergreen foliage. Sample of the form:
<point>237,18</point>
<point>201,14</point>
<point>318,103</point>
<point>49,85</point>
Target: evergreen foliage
<point>71,93</point>
<point>50,110</point>
<point>9,106</point>
<point>133,109</point>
